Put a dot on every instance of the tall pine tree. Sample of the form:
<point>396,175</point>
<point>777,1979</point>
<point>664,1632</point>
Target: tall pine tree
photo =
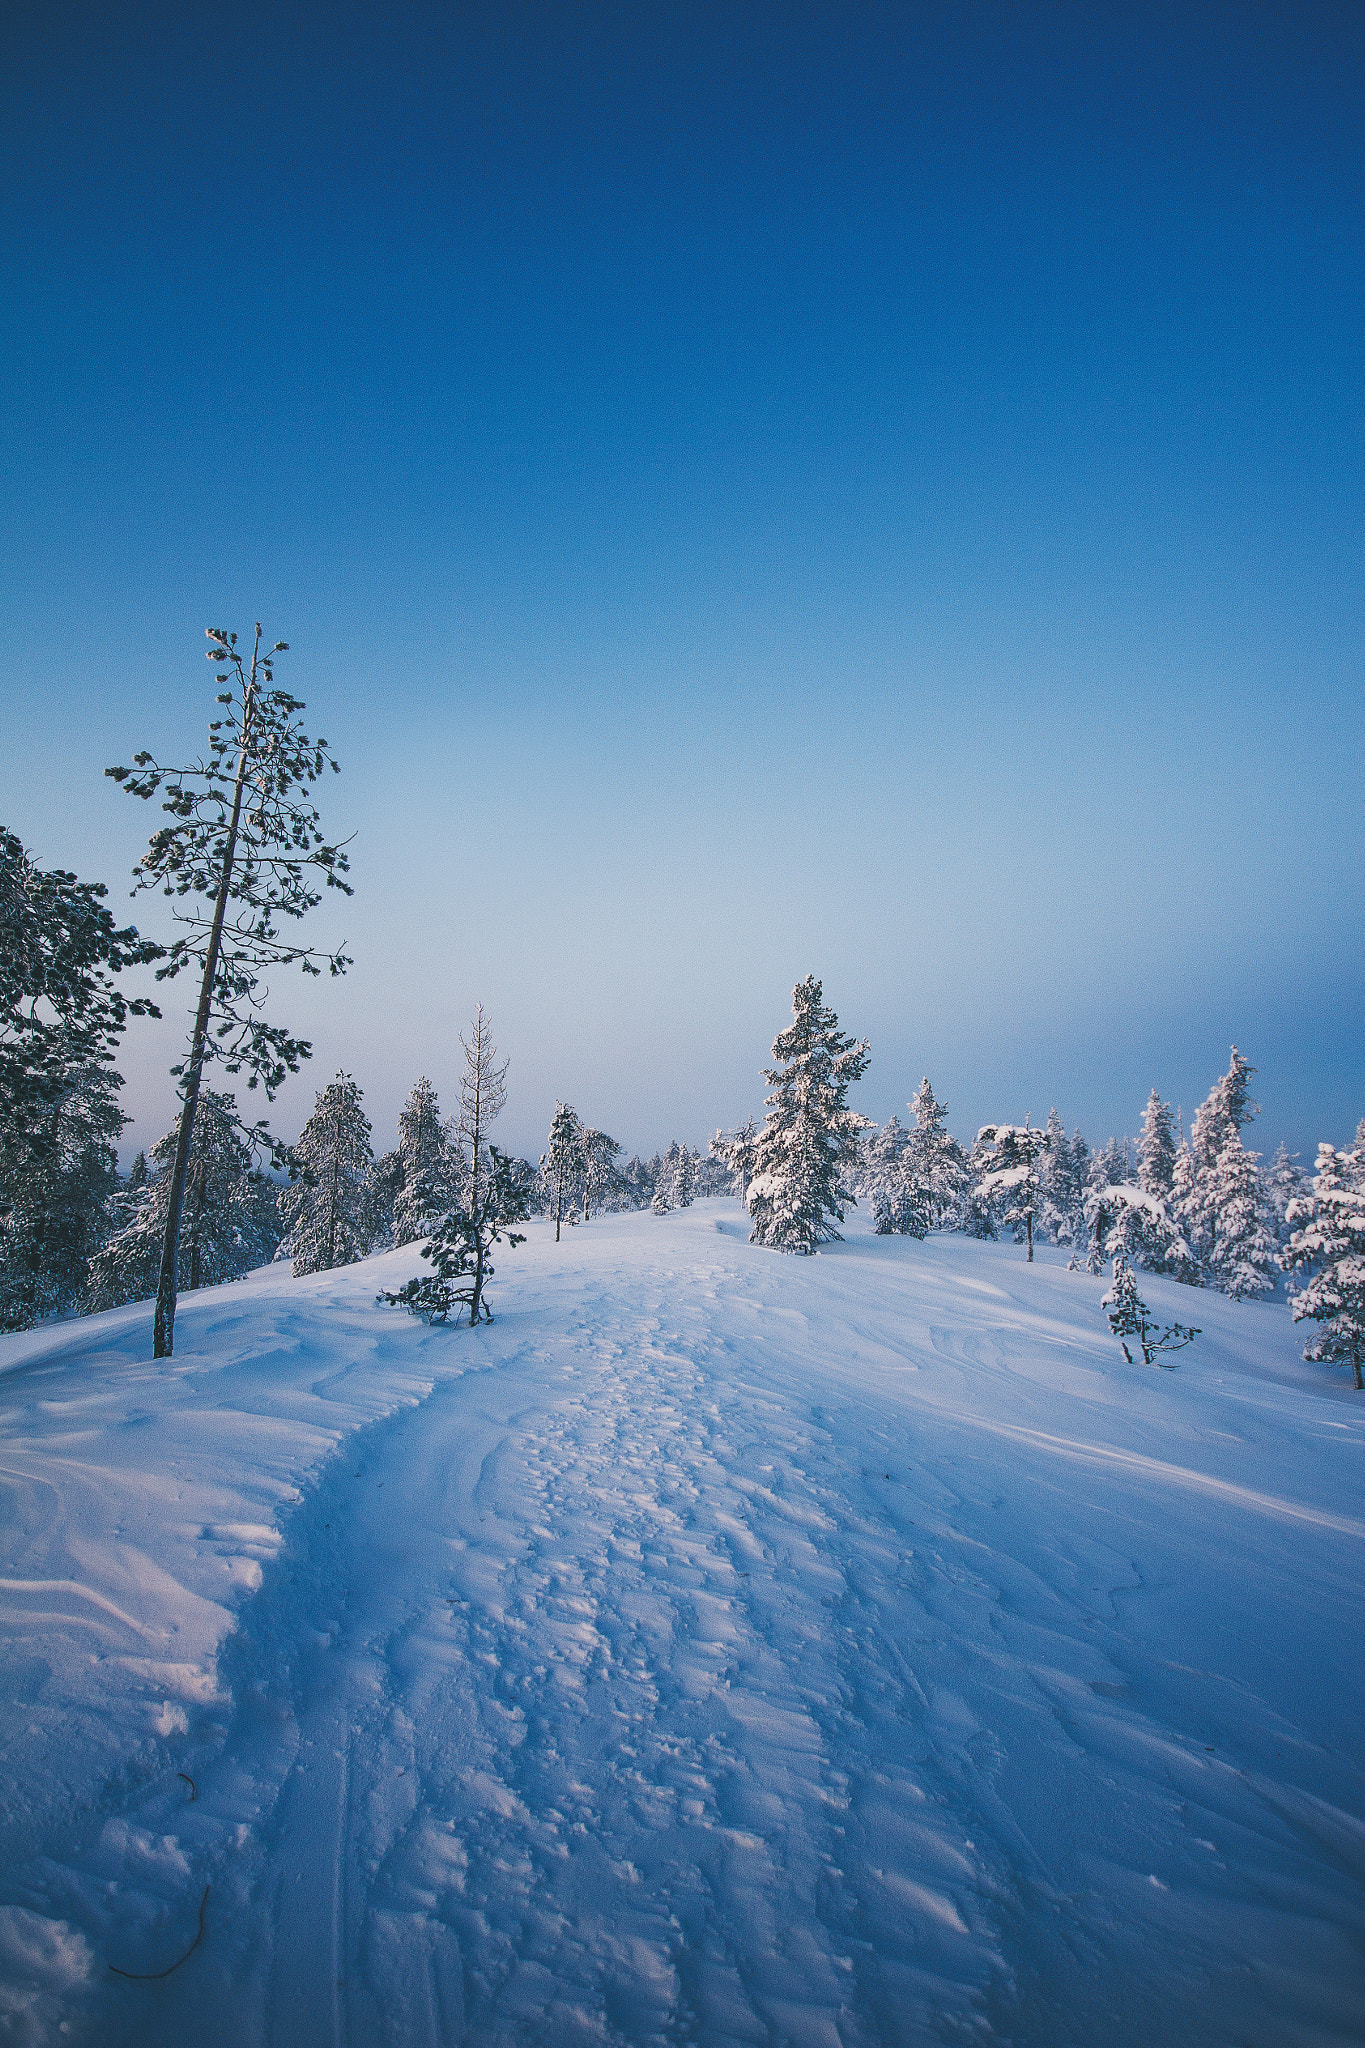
<point>562,1162</point>
<point>1328,1245</point>
<point>244,840</point>
<point>807,1150</point>
<point>328,1209</point>
<point>431,1172</point>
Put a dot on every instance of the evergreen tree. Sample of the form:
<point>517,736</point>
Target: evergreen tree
<point>1216,1196</point>
<point>387,1181</point>
<point>1063,1168</point>
<point>601,1181</point>
<point>61,1010</point>
<point>1128,1223</point>
<point>937,1163</point>
<point>636,1183</point>
<point>242,834</point>
<point>1010,1154</point>
<point>562,1162</point>
<point>666,1182</point>
<point>1157,1148</point>
<point>979,1208</point>
<point>231,1221</point>
<point>1108,1171</point>
<point>432,1172</point>
<point>459,1247</point>
<point>122,1204</point>
<point>684,1178</point>
<point>1327,1242</point>
<point>808,1146</point>
<point>899,1201</point>
<point>1244,1258</point>
<point>1129,1316</point>
<point>328,1209</point>
<point>56,1194</point>
<point>1285,1182</point>
<point>734,1150</point>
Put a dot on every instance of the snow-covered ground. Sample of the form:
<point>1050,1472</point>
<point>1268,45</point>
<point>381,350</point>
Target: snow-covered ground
<point>721,1648</point>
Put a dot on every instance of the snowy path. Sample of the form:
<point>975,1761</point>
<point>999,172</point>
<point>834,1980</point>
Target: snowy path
<point>736,1649</point>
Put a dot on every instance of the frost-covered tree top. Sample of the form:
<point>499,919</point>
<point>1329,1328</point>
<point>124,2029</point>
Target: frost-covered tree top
<point>1156,1147</point>
<point>808,1146</point>
<point>431,1174</point>
<point>1227,1109</point>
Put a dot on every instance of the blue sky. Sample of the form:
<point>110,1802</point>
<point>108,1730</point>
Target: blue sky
<point>864,490</point>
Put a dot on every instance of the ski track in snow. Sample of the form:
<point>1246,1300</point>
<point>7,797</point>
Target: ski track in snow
<point>720,1649</point>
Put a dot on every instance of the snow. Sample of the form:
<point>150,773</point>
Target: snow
<point>720,1647</point>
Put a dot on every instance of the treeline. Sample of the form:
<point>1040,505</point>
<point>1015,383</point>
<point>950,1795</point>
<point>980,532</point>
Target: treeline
<point>1201,1208</point>
<point>77,1236</point>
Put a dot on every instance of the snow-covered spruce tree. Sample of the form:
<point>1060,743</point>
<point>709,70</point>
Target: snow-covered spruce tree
<point>1245,1258</point>
<point>1129,1316</point>
<point>1064,1165</point>
<point>123,1201</point>
<point>636,1183</point>
<point>459,1247</point>
<point>244,839</point>
<point>879,1151</point>
<point>734,1150</point>
<point>61,1010</point>
<point>684,1178</point>
<point>886,1180</point>
<point>561,1163</point>
<point>601,1180</point>
<point>432,1171</point>
<point>1012,1175</point>
<point>386,1185</point>
<point>1133,1219</point>
<point>979,1209</point>
<point>230,1223</point>
<point>1328,1243</point>
<point>55,1196</point>
<point>666,1182</point>
<point>1284,1182</point>
<point>1110,1168</point>
<point>1157,1148</point>
<point>807,1149</point>
<point>328,1210</point>
<point>1125,1222</point>
<point>937,1163</point>
<point>1217,1196</point>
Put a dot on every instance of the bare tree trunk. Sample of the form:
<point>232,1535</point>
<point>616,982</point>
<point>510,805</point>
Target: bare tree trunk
<point>163,1342</point>
<point>1355,1363</point>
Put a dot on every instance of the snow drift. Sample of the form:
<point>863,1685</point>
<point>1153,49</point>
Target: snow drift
<point>719,1648</point>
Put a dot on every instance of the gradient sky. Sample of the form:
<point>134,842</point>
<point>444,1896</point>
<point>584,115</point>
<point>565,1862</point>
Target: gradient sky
<point>750,490</point>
